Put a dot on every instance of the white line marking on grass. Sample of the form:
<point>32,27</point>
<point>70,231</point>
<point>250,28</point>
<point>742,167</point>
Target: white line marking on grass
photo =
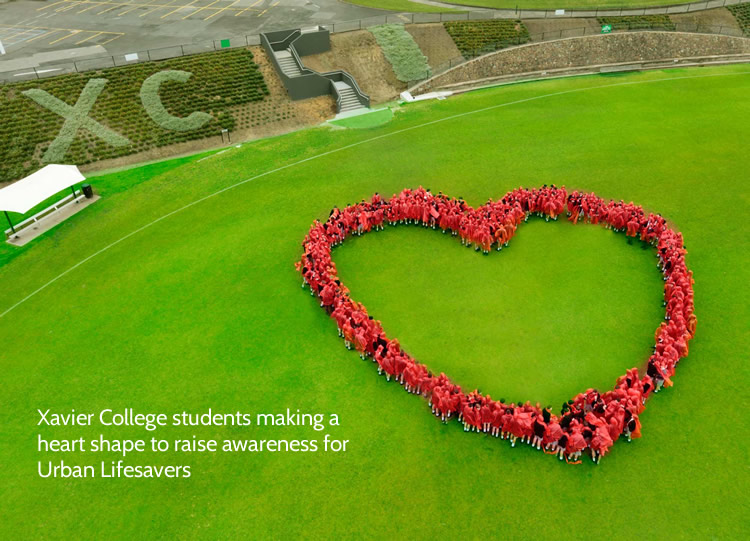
<point>346,147</point>
<point>213,155</point>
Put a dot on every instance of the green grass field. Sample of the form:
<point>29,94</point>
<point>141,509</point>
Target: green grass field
<point>376,118</point>
<point>204,309</point>
<point>408,6</point>
<point>402,5</point>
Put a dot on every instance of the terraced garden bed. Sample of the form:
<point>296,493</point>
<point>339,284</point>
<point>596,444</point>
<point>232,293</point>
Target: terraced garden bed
<point>220,82</point>
<point>474,38</point>
<point>741,12</point>
<point>636,22</point>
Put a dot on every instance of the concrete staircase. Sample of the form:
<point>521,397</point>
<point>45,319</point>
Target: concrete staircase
<point>288,64</point>
<point>286,49</point>
<point>349,99</point>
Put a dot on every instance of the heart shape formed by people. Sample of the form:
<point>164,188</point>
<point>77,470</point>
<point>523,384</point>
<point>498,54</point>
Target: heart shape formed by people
<point>591,421</point>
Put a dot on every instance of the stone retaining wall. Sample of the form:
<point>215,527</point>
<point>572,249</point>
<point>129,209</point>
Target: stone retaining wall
<point>586,51</point>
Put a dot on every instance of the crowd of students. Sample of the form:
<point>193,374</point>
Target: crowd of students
<point>591,422</point>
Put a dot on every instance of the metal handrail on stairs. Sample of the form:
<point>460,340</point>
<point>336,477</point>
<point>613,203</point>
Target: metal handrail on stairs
<point>309,83</point>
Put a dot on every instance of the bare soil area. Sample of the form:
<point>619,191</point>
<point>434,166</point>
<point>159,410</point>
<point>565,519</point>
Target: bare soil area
<point>435,42</point>
<point>359,54</point>
<point>710,17</point>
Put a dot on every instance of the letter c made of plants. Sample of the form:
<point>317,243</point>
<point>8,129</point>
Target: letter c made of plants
<point>156,110</point>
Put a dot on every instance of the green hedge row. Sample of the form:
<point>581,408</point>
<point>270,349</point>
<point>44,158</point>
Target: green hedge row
<point>635,22</point>
<point>219,81</point>
<point>474,38</point>
<point>741,12</point>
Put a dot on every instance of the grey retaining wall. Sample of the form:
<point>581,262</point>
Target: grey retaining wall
<point>585,51</point>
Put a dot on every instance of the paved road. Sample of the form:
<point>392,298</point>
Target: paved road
<point>50,30</point>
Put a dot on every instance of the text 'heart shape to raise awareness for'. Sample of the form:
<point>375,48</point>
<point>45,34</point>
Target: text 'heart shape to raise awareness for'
<point>591,420</point>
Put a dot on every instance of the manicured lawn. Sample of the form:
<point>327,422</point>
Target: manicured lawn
<point>204,309</point>
<point>402,6</point>
<point>368,120</point>
<point>406,5</point>
<point>110,185</point>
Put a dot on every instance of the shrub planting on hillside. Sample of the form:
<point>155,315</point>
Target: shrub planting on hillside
<point>155,107</point>
<point>645,22</point>
<point>85,117</point>
<point>474,38</point>
<point>741,12</point>
<point>400,49</point>
<point>76,118</point>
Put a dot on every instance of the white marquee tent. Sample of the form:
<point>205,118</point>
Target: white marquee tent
<point>25,194</point>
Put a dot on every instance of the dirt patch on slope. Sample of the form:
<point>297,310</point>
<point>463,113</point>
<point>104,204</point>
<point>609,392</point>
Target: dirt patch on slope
<point>710,17</point>
<point>435,42</point>
<point>359,54</point>
<point>275,115</point>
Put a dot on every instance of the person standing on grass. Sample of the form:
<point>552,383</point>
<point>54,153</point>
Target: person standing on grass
<point>539,429</point>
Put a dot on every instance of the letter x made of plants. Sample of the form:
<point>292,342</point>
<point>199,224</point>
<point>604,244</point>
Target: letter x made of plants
<point>76,117</point>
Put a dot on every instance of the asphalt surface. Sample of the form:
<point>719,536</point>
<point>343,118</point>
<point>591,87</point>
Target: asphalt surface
<point>39,36</point>
<point>35,33</point>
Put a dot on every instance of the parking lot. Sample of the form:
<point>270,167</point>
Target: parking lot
<point>34,33</point>
<point>20,35</point>
<point>162,9</point>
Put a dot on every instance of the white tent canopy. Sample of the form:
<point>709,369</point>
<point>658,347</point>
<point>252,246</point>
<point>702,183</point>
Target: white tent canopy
<point>23,195</point>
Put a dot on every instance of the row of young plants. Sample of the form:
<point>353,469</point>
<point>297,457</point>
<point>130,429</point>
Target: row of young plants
<point>741,12</point>
<point>636,22</point>
<point>474,38</point>
<point>115,115</point>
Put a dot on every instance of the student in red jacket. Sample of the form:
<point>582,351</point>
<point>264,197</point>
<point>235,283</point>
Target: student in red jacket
<point>576,445</point>
<point>348,334</point>
<point>552,436</point>
<point>600,443</point>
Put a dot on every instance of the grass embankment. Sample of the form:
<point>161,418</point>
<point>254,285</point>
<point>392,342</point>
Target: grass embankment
<point>404,5</point>
<point>368,120</point>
